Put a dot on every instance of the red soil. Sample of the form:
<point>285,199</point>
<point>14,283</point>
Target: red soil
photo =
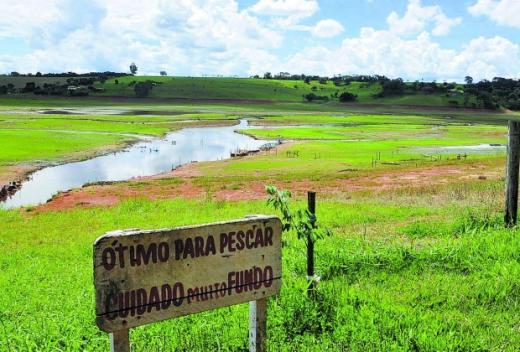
<point>382,180</point>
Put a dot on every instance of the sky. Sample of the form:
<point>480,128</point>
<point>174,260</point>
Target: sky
<point>412,39</point>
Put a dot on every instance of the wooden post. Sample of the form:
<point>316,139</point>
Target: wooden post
<point>257,325</point>
<point>120,341</point>
<point>513,149</point>
<point>311,200</point>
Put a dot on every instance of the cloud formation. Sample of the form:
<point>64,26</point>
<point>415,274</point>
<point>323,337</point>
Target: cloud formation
<point>187,37</point>
<point>503,12</point>
<point>327,29</point>
<point>418,17</point>
<point>384,52</point>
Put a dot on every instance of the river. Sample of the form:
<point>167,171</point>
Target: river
<point>145,158</point>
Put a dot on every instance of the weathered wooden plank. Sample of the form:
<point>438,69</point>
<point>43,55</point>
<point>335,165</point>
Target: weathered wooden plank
<point>146,276</point>
<point>512,171</point>
<point>120,341</point>
<point>257,325</point>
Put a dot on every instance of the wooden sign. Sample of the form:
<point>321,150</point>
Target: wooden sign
<point>142,277</point>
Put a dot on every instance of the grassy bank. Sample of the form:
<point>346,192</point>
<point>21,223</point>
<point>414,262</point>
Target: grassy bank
<point>33,140</point>
<point>429,270</point>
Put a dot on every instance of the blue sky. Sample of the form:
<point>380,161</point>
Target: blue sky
<point>413,39</point>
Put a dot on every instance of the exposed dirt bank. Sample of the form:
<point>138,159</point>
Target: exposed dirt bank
<point>187,184</point>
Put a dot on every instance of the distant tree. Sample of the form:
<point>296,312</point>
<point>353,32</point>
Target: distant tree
<point>486,100</point>
<point>268,75</point>
<point>143,89</point>
<point>116,81</point>
<point>347,97</point>
<point>428,89</point>
<point>133,68</point>
<point>307,80</point>
<point>311,97</point>
<point>468,80</point>
<point>38,74</point>
<point>163,73</point>
<point>15,74</point>
<point>29,87</point>
<point>393,87</point>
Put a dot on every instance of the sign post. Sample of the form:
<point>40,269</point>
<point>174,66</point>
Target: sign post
<point>257,325</point>
<point>141,277</point>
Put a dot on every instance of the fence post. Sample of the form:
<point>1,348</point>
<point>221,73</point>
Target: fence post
<point>513,149</point>
<point>311,201</point>
<point>257,325</point>
<point>120,341</point>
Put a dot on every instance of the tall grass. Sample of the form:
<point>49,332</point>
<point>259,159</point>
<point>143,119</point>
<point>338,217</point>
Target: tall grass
<point>451,284</point>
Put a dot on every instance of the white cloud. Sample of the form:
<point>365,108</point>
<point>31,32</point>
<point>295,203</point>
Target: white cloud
<point>418,17</point>
<point>182,37</point>
<point>384,52</point>
<point>23,18</point>
<point>286,14</point>
<point>187,37</point>
<point>503,12</point>
<point>286,8</point>
<point>327,28</point>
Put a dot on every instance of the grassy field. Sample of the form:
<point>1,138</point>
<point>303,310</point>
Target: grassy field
<point>247,89</point>
<point>415,264</point>
<point>232,88</point>
<point>413,271</point>
<point>260,89</point>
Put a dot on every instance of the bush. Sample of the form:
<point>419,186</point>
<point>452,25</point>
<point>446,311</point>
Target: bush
<point>143,89</point>
<point>312,97</point>
<point>347,97</point>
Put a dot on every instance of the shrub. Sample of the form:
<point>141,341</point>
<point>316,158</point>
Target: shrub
<point>143,89</point>
<point>312,97</point>
<point>346,97</point>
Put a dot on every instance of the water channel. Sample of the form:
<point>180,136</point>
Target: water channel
<point>145,158</point>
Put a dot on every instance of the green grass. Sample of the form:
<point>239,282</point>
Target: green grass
<point>220,88</point>
<point>260,89</point>
<point>402,273</point>
<point>346,119</point>
<point>413,269</point>
<point>328,150</point>
<point>25,146</point>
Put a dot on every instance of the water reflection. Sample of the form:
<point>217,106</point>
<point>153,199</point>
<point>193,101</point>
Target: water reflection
<point>142,159</point>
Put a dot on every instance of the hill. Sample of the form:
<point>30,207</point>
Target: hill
<point>235,89</point>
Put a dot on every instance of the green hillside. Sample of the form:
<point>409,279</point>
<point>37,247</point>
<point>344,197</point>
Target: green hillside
<point>202,88</point>
<point>230,88</point>
<point>233,89</point>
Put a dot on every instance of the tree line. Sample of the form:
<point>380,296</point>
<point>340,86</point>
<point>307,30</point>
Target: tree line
<point>76,84</point>
<point>494,94</point>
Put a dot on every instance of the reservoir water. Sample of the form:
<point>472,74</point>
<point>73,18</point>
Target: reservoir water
<point>145,158</point>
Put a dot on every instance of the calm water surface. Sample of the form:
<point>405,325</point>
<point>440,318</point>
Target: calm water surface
<point>145,158</point>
